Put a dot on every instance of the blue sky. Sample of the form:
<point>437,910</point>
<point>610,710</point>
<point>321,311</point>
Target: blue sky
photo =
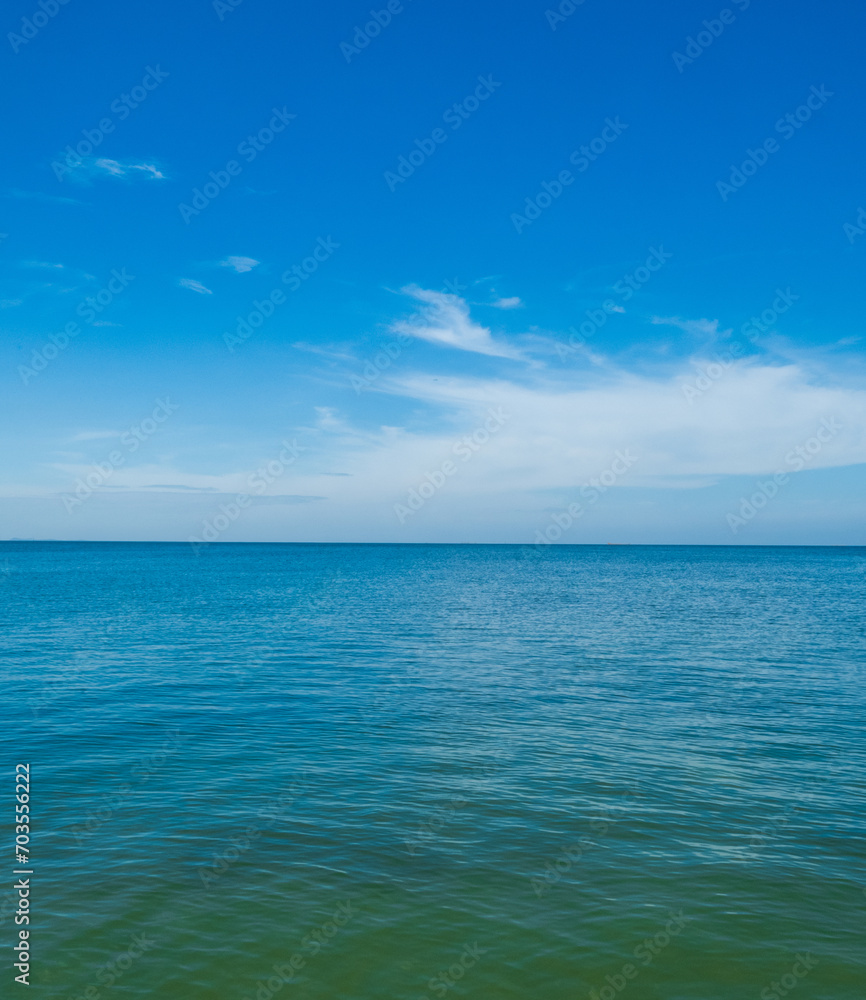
<point>451,278</point>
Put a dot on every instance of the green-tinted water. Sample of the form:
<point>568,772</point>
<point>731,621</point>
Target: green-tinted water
<point>438,771</point>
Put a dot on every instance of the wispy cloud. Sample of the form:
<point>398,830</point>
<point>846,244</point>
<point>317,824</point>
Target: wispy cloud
<point>514,302</point>
<point>39,281</point>
<point>557,435</point>
<point>444,319</point>
<point>694,327</point>
<point>117,169</point>
<point>566,425</point>
<point>333,353</point>
<point>194,286</point>
<point>90,167</point>
<point>240,264</point>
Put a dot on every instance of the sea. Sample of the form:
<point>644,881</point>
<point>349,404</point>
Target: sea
<point>434,771</point>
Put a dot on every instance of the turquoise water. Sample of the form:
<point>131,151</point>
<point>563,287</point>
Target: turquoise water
<point>337,771</point>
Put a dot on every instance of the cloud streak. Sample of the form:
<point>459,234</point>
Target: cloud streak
<point>194,286</point>
<point>444,319</point>
<point>240,264</point>
<point>89,167</point>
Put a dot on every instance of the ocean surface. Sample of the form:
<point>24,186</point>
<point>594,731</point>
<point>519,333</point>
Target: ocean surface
<point>414,772</point>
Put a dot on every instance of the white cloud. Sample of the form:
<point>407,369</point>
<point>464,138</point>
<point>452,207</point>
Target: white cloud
<point>240,264</point>
<point>514,302</point>
<point>744,424</point>
<point>695,327</point>
<point>562,426</point>
<point>194,286</point>
<point>117,169</point>
<point>444,319</point>
<point>566,425</point>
